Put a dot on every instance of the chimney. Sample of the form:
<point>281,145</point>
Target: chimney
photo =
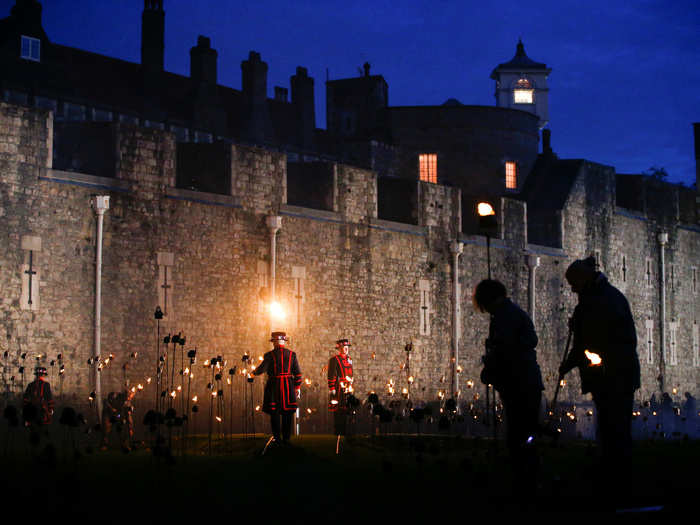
<point>27,14</point>
<point>153,35</point>
<point>254,79</point>
<point>203,61</point>
<point>303,101</point>
<point>365,66</point>
<point>546,141</point>
<point>281,94</point>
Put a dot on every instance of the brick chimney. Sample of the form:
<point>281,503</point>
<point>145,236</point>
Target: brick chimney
<point>153,35</point>
<point>303,101</point>
<point>257,126</point>
<point>203,61</point>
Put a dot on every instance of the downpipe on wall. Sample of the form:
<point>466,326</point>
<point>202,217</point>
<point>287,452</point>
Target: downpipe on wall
<point>100,204</point>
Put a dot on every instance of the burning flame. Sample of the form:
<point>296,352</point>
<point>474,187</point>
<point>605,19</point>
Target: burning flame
<point>594,358</point>
<point>194,399</point>
<point>470,383</point>
<point>257,408</point>
<point>148,380</point>
<point>219,419</point>
<point>459,369</point>
<point>307,381</point>
<point>562,382</point>
<point>410,380</point>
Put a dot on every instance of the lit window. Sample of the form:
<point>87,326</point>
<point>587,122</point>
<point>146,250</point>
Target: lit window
<point>523,92</point>
<point>31,48</point>
<point>511,176</point>
<point>427,166</point>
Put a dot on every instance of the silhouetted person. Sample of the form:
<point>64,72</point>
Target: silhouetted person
<point>38,406</point>
<point>282,387</point>
<point>605,352</point>
<point>668,417</point>
<point>510,365</point>
<point>690,413</point>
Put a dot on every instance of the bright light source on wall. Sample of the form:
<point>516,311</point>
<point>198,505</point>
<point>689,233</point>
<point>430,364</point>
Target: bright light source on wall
<point>276,311</point>
<point>484,209</point>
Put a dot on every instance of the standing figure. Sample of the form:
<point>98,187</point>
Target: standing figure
<point>510,365</point>
<point>340,386</point>
<point>283,386</point>
<point>38,403</point>
<point>690,413</point>
<point>605,352</point>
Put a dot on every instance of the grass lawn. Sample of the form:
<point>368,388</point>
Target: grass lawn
<point>402,478</point>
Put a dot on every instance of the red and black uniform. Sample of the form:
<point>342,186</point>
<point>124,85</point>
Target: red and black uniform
<point>339,381</point>
<point>340,388</point>
<point>38,395</point>
<point>283,380</point>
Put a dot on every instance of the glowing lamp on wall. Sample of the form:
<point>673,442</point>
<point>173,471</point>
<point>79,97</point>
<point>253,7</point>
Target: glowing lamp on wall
<point>276,311</point>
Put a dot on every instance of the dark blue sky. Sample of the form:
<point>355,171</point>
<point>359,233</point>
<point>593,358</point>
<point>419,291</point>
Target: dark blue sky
<point>624,88</point>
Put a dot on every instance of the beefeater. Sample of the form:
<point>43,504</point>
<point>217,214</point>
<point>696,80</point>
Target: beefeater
<point>282,388</point>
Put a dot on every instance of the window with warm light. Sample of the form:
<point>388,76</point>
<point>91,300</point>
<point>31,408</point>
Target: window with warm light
<point>427,167</point>
<point>523,92</point>
<point>511,176</point>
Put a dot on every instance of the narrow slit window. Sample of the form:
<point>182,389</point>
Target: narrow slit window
<point>427,167</point>
<point>650,341</point>
<point>511,175</point>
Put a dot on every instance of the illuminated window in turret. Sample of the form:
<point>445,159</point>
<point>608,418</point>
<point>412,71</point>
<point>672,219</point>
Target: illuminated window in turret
<point>523,92</point>
<point>427,167</point>
<point>511,176</point>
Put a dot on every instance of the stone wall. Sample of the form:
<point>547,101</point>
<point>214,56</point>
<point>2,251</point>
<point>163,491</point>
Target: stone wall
<point>339,273</point>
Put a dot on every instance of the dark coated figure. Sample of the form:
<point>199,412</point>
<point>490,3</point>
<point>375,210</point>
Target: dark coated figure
<point>510,365</point>
<point>282,388</point>
<point>38,400</point>
<point>340,386</point>
<point>605,352</point>
<point>117,414</point>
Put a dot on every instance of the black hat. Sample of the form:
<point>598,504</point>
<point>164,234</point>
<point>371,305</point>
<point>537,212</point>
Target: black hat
<point>342,342</point>
<point>40,371</point>
<point>279,336</point>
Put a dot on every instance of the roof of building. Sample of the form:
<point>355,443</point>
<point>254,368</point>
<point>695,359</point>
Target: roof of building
<point>521,61</point>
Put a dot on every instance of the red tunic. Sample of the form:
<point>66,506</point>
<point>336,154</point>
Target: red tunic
<point>283,378</point>
<point>339,370</point>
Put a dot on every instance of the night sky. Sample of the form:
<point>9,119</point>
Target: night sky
<point>624,87</point>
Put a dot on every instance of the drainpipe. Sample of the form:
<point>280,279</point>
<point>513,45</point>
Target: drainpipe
<point>274,223</point>
<point>100,204</point>
<point>533,261</point>
<point>663,239</point>
<point>456,248</point>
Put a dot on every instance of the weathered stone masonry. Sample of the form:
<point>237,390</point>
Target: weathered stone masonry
<point>363,277</point>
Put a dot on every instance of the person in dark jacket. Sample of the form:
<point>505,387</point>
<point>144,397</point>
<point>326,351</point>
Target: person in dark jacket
<point>38,400</point>
<point>510,365</point>
<point>340,385</point>
<point>282,388</point>
<point>605,352</point>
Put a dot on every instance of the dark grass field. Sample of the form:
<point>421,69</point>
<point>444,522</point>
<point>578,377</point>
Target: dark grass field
<point>388,479</point>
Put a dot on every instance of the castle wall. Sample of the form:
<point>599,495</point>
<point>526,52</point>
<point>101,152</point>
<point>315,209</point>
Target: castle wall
<point>340,273</point>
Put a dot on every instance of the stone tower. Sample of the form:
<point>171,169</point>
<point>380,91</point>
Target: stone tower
<point>521,83</point>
